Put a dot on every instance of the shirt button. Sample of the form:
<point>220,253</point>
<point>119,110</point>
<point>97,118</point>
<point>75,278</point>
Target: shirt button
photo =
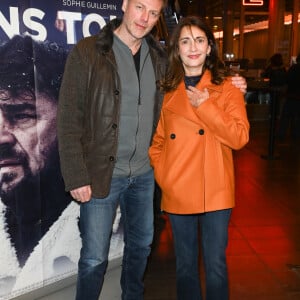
<point>172,136</point>
<point>111,158</point>
<point>201,131</point>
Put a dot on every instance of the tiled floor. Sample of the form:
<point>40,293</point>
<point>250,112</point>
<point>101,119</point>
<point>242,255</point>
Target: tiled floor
<point>264,245</point>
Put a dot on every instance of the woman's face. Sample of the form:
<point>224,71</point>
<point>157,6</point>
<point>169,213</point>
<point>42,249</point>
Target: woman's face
<point>193,48</point>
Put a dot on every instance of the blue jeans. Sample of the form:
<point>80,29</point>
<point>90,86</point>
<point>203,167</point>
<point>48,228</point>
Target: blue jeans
<point>214,239</point>
<point>135,196</point>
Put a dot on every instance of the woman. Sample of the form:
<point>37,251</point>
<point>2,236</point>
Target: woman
<point>276,71</point>
<point>203,118</point>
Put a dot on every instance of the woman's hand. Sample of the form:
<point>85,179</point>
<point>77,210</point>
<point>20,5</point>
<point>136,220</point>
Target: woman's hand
<point>196,96</point>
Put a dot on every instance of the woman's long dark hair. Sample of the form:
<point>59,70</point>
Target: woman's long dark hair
<point>175,70</point>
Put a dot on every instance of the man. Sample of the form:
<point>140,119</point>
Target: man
<point>109,106</point>
<point>290,114</point>
<point>31,186</point>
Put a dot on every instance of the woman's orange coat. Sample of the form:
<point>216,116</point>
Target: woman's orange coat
<point>191,150</point>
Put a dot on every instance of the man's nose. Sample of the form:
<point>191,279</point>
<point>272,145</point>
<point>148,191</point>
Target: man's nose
<point>145,16</point>
<point>6,132</point>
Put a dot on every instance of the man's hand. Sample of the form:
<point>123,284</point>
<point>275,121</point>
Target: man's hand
<point>239,82</point>
<point>82,194</point>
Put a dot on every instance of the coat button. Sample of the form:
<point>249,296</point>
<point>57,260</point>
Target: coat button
<point>117,92</point>
<point>201,131</point>
<point>114,126</point>
<point>111,158</point>
<point>172,136</point>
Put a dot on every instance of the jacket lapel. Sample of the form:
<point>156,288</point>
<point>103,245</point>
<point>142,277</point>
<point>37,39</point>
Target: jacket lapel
<point>178,103</point>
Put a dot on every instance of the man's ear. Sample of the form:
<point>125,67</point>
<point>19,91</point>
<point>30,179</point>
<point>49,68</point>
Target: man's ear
<point>124,5</point>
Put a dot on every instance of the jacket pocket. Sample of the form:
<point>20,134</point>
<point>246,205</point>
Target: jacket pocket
<point>159,169</point>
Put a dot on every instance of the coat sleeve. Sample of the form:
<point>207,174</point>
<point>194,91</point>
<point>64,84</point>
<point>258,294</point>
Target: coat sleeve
<point>70,121</point>
<point>227,122</point>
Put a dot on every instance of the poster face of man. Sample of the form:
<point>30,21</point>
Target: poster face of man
<point>39,236</point>
<point>27,136</point>
<point>31,186</point>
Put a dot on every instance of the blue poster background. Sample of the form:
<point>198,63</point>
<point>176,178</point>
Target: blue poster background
<point>39,236</point>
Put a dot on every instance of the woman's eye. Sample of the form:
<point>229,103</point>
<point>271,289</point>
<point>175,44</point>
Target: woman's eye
<point>184,42</point>
<point>200,41</point>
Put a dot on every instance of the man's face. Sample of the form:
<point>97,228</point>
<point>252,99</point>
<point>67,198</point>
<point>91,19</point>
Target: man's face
<point>27,137</point>
<point>140,16</point>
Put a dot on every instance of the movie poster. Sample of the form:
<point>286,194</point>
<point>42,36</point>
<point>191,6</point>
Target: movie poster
<point>39,236</point>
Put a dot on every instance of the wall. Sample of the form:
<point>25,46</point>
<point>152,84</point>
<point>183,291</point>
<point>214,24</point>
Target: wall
<point>255,44</point>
